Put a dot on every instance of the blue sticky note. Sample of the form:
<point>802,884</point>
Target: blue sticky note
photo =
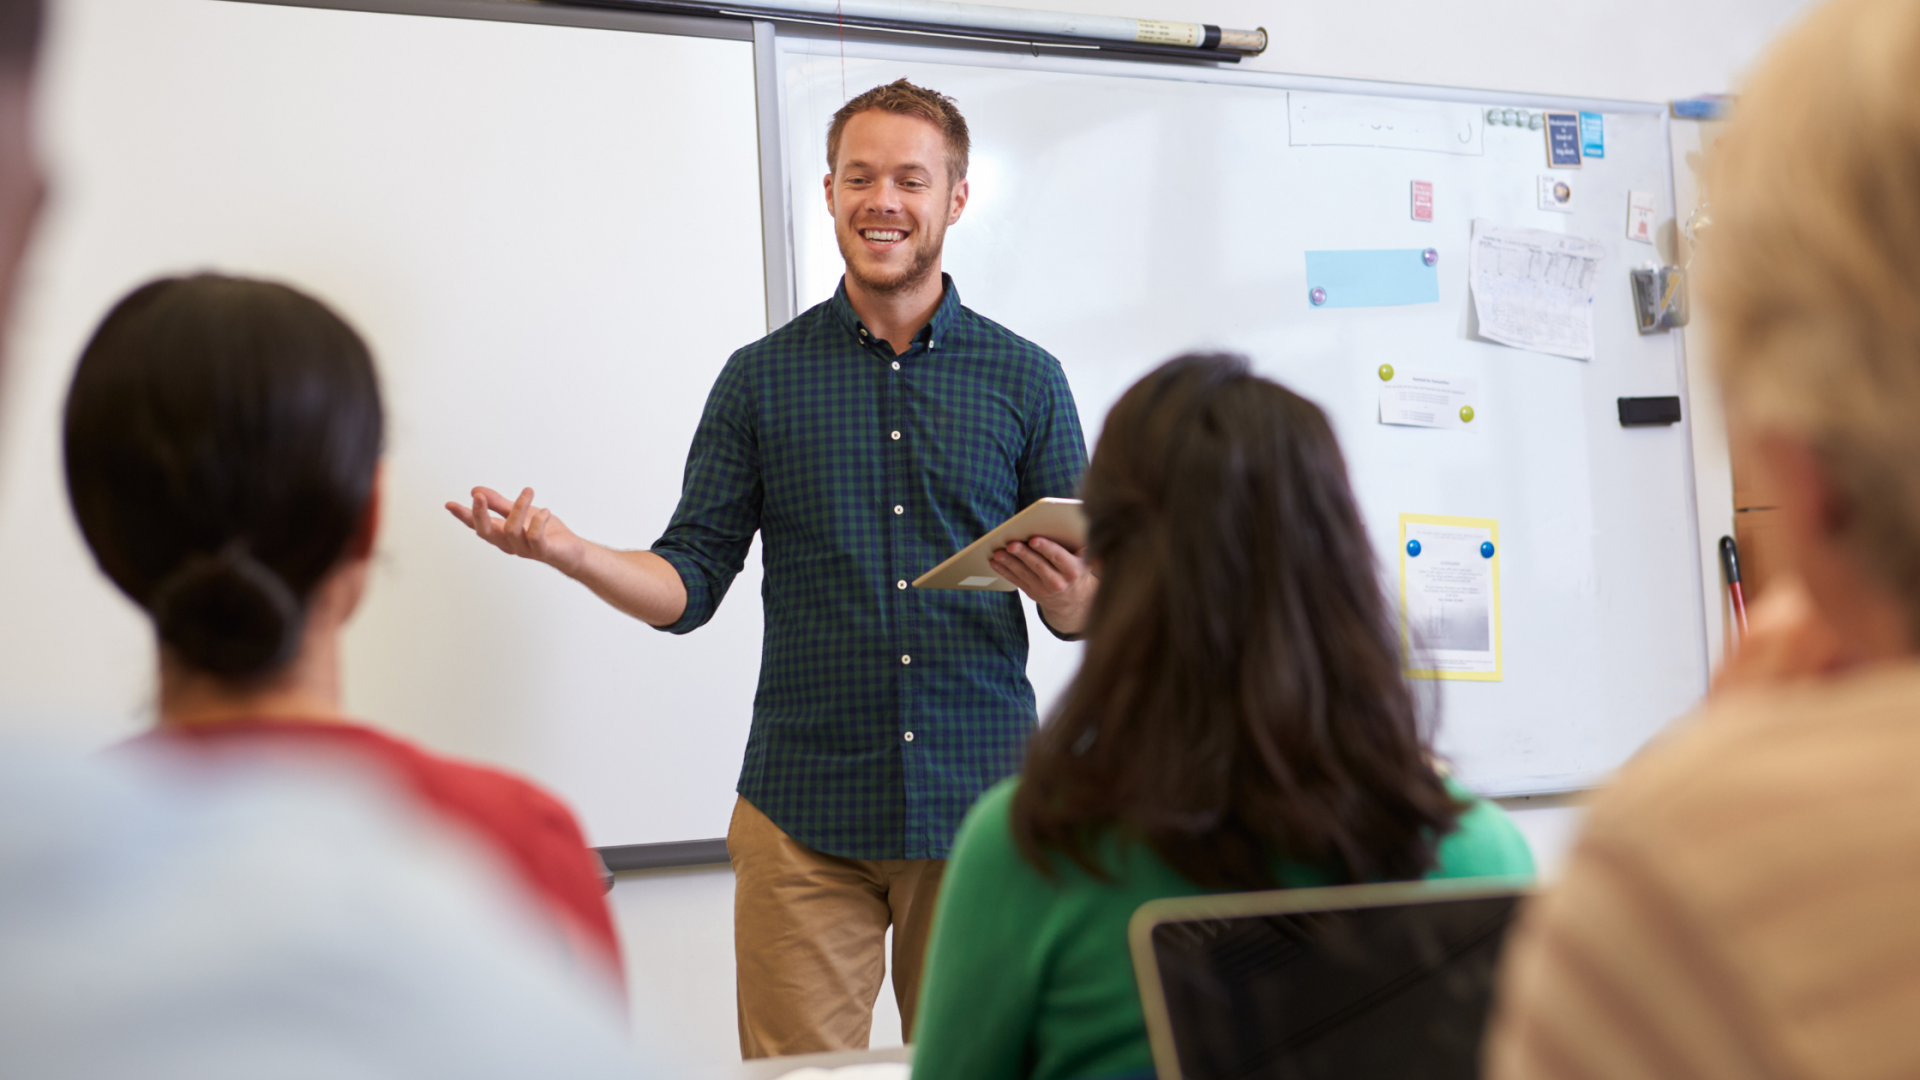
<point>1593,135</point>
<point>1705,107</point>
<point>1379,278</point>
<point>1563,140</point>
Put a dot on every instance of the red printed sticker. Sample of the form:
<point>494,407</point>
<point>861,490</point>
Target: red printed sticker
<point>1422,201</point>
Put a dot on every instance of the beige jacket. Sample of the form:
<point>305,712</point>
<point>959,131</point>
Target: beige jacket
<point>1745,902</point>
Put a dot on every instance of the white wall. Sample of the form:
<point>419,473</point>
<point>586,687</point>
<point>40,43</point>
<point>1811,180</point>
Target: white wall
<point>1638,50</point>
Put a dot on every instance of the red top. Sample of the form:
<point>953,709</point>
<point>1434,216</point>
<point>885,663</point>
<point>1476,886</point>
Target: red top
<point>536,835</point>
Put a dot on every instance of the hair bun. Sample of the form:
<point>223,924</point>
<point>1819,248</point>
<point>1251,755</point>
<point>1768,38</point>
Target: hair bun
<point>227,614</point>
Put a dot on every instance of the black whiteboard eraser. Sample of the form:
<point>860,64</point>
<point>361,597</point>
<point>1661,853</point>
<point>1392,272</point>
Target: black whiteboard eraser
<point>1649,411</point>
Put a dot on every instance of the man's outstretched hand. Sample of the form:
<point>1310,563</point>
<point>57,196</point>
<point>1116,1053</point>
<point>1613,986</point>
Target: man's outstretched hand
<point>521,528</point>
<point>640,583</point>
<point>1056,579</point>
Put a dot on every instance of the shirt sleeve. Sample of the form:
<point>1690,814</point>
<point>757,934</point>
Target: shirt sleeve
<point>982,983</point>
<point>1056,454</point>
<point>1484,842</point>
<point>720,499</point>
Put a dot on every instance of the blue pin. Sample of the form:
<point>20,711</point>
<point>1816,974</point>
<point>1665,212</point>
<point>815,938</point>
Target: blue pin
<point>1413,547</point>
<point>1486,549</point>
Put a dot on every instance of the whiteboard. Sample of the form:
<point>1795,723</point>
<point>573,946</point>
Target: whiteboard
<point>1122,214</point>
<point>551,238</point>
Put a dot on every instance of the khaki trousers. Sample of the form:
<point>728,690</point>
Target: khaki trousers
<point>809,937</point>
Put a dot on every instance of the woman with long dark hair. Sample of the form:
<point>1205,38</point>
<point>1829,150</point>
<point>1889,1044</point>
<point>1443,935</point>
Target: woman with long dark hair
<point>223,441</point>
<point>1240,722</point>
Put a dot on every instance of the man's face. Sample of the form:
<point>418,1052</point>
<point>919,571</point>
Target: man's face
<point>891,200</point>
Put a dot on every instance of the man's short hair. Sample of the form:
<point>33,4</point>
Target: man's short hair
<point>905,99</point>
<point>20,32</point>
<point>1810,275</point>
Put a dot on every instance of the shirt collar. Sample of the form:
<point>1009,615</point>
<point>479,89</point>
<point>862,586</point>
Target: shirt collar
<point>945,317</point>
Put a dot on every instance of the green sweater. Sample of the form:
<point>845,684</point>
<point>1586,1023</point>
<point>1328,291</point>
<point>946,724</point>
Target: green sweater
<point>1027,977</point>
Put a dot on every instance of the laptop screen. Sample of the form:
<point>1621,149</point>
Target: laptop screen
<point>1400,991</point>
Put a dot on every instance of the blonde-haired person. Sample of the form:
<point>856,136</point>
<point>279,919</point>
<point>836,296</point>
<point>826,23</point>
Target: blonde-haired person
<point>1742,901</point>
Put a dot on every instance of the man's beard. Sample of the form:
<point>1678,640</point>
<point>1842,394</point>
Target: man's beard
<point>913,275</point>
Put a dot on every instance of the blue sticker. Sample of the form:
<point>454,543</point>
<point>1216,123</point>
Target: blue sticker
<point>1379,278</point>
<point>1413,547</point>
<point>1486,549</point>
<point>1593,135</point>
<point>1563,140</point>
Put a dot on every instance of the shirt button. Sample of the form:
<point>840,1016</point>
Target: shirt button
<point>896,436</point>
<point>909,736</point>
<point>863,331</point>
<point>899,509</point>
<point>901,584</point>
<point>906,659</point>
<point>896,365</point>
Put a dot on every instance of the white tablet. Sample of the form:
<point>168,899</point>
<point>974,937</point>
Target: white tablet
<point>1059,520</point>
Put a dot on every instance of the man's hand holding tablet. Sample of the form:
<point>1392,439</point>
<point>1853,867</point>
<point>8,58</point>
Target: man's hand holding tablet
<point>1037,551</point>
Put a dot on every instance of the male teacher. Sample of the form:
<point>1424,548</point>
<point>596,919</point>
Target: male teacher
<point>866,440</point>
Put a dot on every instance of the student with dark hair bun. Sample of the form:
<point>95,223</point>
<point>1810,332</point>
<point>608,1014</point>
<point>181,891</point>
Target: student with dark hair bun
<point>1240,722</point>
<point>223,442</point>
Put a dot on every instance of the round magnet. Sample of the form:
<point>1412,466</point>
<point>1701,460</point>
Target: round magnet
<point>1486,549</point>
<point>1413,547</point>
<point>1534,122</point>
<point>1386,372</point>
<point>1317,295</point>
<point>1512,117</point>
<point>1466,414</point>
<point>1430,256</point>
<point>1493,116</point>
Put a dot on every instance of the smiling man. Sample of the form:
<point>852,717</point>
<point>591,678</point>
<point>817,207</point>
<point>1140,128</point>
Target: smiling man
<point>866,440</point>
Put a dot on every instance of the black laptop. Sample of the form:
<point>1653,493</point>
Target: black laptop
<point>1362,982</point>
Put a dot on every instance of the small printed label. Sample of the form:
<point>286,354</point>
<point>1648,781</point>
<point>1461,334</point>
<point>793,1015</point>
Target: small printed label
<point>1640,216</point>
<point>1556,193</point>
<point>1593,135</point>
<point>977,582</point>
<point>1422,200</point>
<point>1159,32</point>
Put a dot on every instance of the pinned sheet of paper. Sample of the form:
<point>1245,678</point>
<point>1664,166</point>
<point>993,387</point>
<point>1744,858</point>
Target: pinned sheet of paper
<point>1322,119</point>
<point>1640,216</point>
<point>1373,278</point>
<point>1533,289</point>
<point>1450,597</point>
<point>1556,193</point>
<point>1427,399</point>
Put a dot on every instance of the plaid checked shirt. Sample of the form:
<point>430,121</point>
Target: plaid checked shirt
<point>883,711</point>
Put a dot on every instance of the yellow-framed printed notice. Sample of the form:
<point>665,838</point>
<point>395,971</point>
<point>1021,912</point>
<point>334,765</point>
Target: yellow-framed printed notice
<point>1450,597</point>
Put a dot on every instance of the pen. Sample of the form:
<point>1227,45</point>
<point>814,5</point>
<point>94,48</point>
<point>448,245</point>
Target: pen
<point>1730,561</point>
